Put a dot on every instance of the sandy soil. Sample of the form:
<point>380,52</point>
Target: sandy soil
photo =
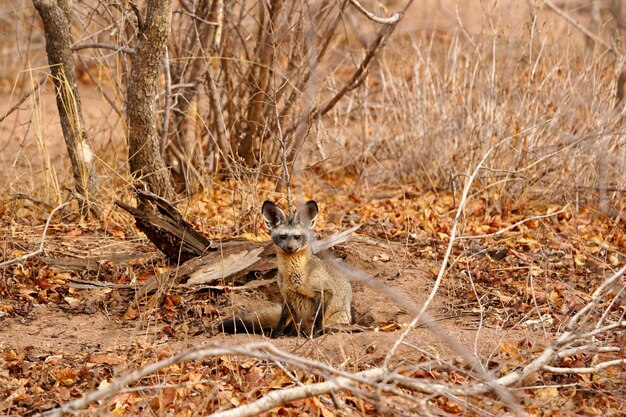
<point>59,329</point>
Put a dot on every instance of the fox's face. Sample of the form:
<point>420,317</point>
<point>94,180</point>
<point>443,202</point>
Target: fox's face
<point>290,235</point>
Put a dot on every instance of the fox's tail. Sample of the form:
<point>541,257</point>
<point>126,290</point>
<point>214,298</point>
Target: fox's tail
<point>257,322</point>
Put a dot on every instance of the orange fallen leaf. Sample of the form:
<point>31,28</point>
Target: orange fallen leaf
<point>116,232</point>
<point>547,393</point>
<point>168,395</point>
<point>505,299</point>
<point>62,394</point>
<point>74,233</point>
<point>106,359</point>
<point>131,313</point>
<point>448,406</point>
<point>592,411</point>
<point>321,408</point>
<point>509,348</point>
<point>66,377</point>
<point>255,378</point>
<point>389,327</point>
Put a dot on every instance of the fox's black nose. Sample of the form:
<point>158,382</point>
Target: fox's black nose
<point>290,249</point>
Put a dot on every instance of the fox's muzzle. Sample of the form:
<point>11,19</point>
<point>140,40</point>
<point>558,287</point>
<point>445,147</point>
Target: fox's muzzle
<point>289,249</point>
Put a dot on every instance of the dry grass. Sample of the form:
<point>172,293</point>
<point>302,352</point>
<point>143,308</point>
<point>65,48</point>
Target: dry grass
<point>438,102</point>
<point>432,106</point>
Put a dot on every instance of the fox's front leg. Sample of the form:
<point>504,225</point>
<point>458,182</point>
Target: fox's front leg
<point>282,321</point>
<point>321,301</point>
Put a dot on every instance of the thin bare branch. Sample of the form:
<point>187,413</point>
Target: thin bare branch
<point>581,28</point>
<point>276,398</point>
<point>514,225</point>
<point>446,257</point>
<point>604,329</point>
<point>98,45</point>
<point>300,127</point>
<point>196,352</point>
<point>22,99</point>
<point>589,348</point>
<point>384,20</point>
<point>586,370</point>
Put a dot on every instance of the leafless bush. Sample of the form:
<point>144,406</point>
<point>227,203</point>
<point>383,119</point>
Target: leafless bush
<point>243,81</point>
<point>430,114</point>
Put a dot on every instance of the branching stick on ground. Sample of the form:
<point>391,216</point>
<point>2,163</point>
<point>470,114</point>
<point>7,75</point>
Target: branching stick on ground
<point>275,398</point>
<point>446,257</point>
<point>43,240</point>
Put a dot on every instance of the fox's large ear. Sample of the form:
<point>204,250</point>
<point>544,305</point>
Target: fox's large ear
<point>272,215</point>
<point>307,214</point>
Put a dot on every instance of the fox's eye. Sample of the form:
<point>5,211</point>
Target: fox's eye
<point>297,237</point>
<point>283,237</point>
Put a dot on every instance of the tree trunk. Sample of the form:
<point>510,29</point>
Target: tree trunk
<point>56,19</point>
<point>144,156</point>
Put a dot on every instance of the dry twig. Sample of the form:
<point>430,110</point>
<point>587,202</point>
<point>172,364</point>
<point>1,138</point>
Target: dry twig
<point>283,396</point>
<point>22,99</point>
<point>43,239</point>
<point>384,20</point>
<point>581,28</point>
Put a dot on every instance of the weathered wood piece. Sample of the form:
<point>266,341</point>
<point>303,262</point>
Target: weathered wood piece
<point>225,267</point>
<point>167,229</point>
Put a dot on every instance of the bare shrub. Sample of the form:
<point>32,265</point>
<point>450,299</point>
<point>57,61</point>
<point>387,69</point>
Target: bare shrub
<point>430,114</point>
